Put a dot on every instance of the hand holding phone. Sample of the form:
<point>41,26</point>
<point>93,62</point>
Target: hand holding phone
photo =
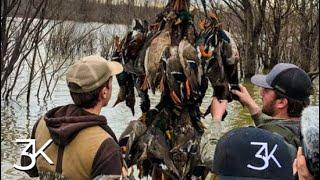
<point>234,87</point>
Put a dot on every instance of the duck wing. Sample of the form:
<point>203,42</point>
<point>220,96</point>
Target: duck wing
<point>191,65</point>
<point>217,77</point>
<point>153,58</point>
<point>175,75</point>
<point>158,153</point>
<point>129,137</point>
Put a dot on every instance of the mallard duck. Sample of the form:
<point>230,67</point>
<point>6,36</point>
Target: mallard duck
<point>122,80</point>
<point>191,67</point>
<point>232,57</point>
<point>130,98</point>
<point>131,46</point>
<point>139,25</point>
<point>217,76</point>
<point>131,134</point>
<point>159,155</point>
<point>147,144</point>
<point>133,43</point>
<point>155,51</point>
<point>175,76</point>
<point>219,56</point>
<point>153,58</point>
<point>126,90</point>
<point>184,150</point>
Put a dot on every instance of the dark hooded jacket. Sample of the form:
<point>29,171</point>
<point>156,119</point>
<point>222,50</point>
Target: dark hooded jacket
<point>84,146</point>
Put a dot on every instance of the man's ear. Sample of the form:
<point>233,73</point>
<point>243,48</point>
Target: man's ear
<point>282,103</point>
<point>103,92</point>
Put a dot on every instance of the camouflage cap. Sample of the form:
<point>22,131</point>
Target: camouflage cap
<point>91,72</point>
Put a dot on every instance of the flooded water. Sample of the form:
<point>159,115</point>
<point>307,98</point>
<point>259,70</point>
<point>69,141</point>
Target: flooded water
<point>18,118</point>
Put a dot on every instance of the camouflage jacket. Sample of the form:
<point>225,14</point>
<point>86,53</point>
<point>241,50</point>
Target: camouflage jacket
<point>209,141</point>
<point>288,129</point>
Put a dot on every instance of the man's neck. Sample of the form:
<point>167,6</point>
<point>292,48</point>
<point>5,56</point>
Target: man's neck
<point>285,116</point>
<point>95,110</point>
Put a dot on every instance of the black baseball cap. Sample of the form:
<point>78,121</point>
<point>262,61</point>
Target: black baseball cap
<point>253,153</point>
<point>288,79</point>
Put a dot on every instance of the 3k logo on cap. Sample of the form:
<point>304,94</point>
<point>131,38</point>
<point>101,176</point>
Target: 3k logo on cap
<point>253,152</point>
<point>266,157</point>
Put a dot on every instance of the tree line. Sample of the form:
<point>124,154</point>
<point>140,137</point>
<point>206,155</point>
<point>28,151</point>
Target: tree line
<point>96,11</point>
<point>273,31</point>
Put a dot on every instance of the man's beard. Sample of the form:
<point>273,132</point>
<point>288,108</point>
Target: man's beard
<point>269,109</point>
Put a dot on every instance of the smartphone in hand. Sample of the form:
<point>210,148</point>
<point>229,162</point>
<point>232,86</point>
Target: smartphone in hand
<point>234,87</point>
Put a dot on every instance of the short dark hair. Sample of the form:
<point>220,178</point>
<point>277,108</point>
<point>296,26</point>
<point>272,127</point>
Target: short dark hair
<point>87,99</point>
<point>295,107</point>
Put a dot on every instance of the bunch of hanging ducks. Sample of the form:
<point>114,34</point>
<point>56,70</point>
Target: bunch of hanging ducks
<point>170,56</point>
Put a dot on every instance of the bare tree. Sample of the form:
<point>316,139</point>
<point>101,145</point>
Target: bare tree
<point>16,34</point>
<point>251,15</point>
<point>274,31</point>
<point>280,12</point>
<point>308,11</point>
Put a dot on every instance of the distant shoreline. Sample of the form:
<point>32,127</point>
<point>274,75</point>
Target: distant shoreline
<point>84,11</point>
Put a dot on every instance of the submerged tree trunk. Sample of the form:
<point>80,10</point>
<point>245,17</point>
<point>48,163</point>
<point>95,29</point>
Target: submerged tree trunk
<point>309,14</point>
<point>275,49</point>
<point>252,16</point>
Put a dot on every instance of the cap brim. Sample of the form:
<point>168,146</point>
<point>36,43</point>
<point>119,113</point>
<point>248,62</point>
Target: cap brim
<point>115,67</point>
<point>239,178</point>
<point>260,80</point>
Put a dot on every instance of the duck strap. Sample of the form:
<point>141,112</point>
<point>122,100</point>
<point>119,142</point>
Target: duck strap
<point>109,131</point>
<point>59,159</point>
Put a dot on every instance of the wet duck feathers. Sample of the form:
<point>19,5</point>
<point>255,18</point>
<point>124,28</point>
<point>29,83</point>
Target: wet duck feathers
<point>191,64</point>
<point>153,58</point>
